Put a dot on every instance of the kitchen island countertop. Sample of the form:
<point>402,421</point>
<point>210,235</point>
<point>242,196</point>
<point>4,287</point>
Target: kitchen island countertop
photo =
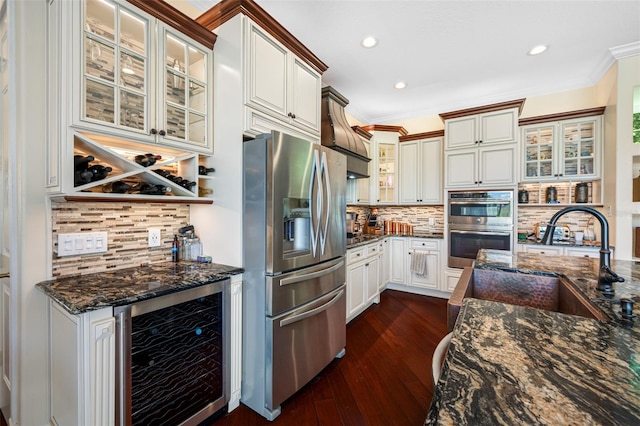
<point>509,364</point>
<point>80,294</point>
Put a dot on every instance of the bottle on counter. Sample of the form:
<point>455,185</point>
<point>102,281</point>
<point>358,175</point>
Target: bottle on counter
<point>175,249</point>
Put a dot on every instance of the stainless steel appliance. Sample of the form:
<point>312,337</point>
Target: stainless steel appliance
<point>352,224</point>
<point>478,220</point>
<point>171,358</point>
<point>294,308</point>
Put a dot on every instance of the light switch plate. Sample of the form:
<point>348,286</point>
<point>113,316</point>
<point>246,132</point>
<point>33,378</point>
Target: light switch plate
<point>82,243</point>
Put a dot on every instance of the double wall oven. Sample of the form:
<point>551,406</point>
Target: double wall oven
<point>478,220</point>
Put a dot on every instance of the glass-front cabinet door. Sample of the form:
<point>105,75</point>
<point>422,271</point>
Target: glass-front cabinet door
<point>579,149</point>
<point>539,153</point>
<point>116,66</point>
<point>184,86</point>
<point>387,174</point>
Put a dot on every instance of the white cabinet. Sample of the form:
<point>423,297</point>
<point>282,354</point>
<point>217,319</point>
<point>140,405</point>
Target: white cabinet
<point>82,365</point>
<point>481,146</point>
<point>485,166</point>
<point>451,277</point>
<point>280,84</point>
<point>363,278</point>
<point>488,128</point>
<point>562,150</point>
<point>430,250</point>
<point>557,250</point>
<point>398,260</point>
<point>421,171</point>
<point>385,262</point>
<point>384,170</point>
<point>129,85</point>
<point>138,78</point>
<point>402,252</point>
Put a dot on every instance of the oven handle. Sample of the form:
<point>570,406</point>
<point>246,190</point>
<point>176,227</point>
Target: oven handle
<point>503,202</point>
<point>504,234</point>
<point>306,314</point>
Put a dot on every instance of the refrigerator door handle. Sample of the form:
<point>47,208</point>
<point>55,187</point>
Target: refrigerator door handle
<point>326,195</point>
<point>301,314</point>
<point>316,202</point>
<point>310,276</point>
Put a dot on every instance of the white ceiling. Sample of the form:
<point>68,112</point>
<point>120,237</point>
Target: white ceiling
<point>453,54</point>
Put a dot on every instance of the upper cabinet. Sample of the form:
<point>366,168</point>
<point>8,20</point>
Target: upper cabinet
<point>280,84</point>
<point>383,167</point>
<point>421,170</point>
<point>567,149</point>
<point>481,145</point>
<point>128,80</point>
<point>141,79</point>
<point>487,128</point>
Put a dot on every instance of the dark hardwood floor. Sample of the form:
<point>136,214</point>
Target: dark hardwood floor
<point>384,378</point>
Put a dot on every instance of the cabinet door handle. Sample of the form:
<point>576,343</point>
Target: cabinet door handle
<point>153,131</point>
<point>162,133</point>
<point>480,141</point>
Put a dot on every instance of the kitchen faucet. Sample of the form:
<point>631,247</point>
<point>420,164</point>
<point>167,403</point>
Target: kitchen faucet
<point>606,277</point>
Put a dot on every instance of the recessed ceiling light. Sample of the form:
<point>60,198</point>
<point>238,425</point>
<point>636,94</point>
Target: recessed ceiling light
<point>400,85</point>
<point>369,41</point>
<point>537,50</point>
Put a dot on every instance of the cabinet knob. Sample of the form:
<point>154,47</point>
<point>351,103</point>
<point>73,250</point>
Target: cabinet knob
<point>162,133</point>
<point>480,141</point>
<point>153,131</point>
<point>479,181</point>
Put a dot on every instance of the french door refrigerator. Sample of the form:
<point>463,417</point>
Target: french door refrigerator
<point>294,238</point>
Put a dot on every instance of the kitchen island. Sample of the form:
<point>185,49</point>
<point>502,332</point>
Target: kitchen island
<point>510,364</point>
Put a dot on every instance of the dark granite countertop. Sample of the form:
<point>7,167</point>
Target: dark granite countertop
<point>363,239</point>
<point>517,365</point>
<point>90,292</point>
<point>565,243</point>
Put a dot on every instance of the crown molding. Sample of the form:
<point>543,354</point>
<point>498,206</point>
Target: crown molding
<point>425,135</point>
<point>626,50</point>
<point>227,9</point>
<point>385,128</point>
<point>569,115</point>
<point>176,19</point>
<point>518,103</point>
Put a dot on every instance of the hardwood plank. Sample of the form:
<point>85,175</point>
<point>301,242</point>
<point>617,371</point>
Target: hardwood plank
<point>384,378</point>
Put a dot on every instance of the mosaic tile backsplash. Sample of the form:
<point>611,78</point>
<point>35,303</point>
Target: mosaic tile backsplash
<point>126,224</point>
<point>418,216</point>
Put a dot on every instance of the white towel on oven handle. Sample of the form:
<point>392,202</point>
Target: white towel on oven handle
<point>419,261</point>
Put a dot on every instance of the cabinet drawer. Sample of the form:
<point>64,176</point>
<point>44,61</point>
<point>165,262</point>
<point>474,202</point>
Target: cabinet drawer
<point>356,254</point>
<point>373,249</point>
<point>424,244</point>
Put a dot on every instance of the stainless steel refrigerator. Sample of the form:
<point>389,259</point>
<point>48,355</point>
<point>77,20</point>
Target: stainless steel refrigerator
<point>294,308</point>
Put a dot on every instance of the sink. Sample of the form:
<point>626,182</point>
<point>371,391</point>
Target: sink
<point>555,294</point>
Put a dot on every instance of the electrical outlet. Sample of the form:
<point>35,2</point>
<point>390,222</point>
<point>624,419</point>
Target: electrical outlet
<point>432,221</point>
<point>154,237</point>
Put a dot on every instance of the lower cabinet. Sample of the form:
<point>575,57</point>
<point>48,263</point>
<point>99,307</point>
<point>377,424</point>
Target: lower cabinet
<point>556,250</point>
<point>82,364</point>
<point>403,251</point>
<point>363,278</point>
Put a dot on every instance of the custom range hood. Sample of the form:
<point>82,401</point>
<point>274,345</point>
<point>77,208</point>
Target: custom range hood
<point>336,133</point>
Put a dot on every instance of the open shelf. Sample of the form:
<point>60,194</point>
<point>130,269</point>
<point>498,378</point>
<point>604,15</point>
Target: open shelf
<point>565,193</point>
<point>120,156</point>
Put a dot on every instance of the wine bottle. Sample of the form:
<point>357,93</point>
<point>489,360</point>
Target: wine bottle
<point>147,160</point>
<point>187,184</point>
<point>149,189</point>
<point>203,171</point>
<point>99,172</point>
<point>80,162</point>
<point>81,177</point>
<point>117,187</point>
<point>175,249</point>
